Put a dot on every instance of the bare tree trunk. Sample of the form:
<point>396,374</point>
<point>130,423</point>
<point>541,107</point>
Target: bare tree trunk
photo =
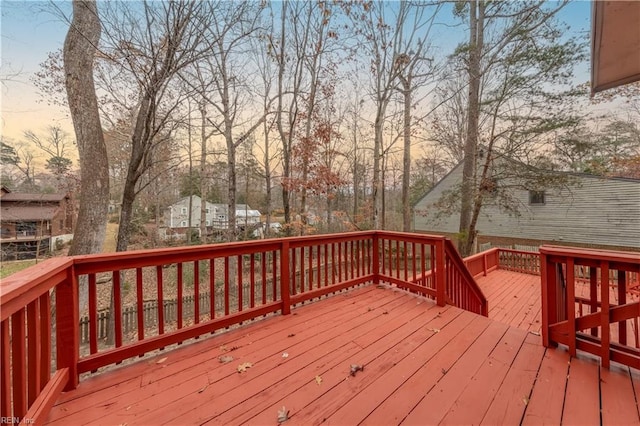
<point>476,18</point>
<point>406,157</point>
<point>79,51</point>
<point>203,168</point>
<point>267,178</point>
<point>190,205</point>
<point>376,184</point>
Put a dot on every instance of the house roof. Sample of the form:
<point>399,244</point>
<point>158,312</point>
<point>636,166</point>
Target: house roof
<point>13,213</point>
<point>615,44</point>
<point>579,174</point>
<point>24,197</point>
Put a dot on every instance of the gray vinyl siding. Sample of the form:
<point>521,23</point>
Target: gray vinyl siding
<point>592,211</point>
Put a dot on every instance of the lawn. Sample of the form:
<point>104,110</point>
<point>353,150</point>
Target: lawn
<point>8,268</point>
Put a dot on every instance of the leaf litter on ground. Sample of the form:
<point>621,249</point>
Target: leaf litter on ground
<point>244,366</point>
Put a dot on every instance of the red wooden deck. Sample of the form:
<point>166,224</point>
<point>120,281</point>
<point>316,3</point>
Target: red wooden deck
<point>423,364</point>
<point>514,298</point>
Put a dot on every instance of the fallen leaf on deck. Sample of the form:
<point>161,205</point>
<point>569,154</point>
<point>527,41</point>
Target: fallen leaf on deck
<point>285,355</point>
<point>225,359</point>
<point>291,335</point>
<point>355,368</point>
<point>318,379</point>
<point>223,348</point>
<point>128,408</point>
<point>444,371</point>
<point>283,415</point>
<point>385,313</point>
<point>202,389</point>
<point>525,400</point>
<point>160,361</point>
<point>535,333</point>
<point>435,330</point>
<point>243,367</point>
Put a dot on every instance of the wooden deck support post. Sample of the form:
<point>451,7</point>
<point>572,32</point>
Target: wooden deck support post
<point>67,334</point>
<point>285,279</point>
<point>549,303</point>
<point>570,306</point>
<point>605,338</point>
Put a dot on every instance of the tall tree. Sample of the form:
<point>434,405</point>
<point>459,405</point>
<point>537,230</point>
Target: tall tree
<point>151,43</point>
<point>80,48</point>
<point>519,65</point>
<point>55,144</point>
<point>232,27</point>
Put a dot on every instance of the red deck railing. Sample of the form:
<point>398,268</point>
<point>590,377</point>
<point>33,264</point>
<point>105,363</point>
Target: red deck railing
<point>590,302</point>
<point>225,284</point>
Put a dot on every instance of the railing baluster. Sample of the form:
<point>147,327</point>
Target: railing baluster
<point>274,275</point>
<point>340,261</point>
<point>160,305</point>
<point>139,302</point>
<point>5,370</point>
<point>622,300</point>
<point>18,368</point>
<point>284,278</point>
<point>226,285</point>
<point>604,313</point>
<point>93,312</point>
<point>45,339</point>
<point>252,278</point>
<point>179,300</point>
<point>397,265</point>
<point>212,288</point>
<point>413,262</point>
<point>239,282</point>
<point>593,295</point>
<point>117,301</point>
<point>33,350</point>
<point>326,265</point>
<point>405,255</point>
<point>263,261</point>
<point>293,272</point>
<point>196,292</point>
<point>318,250</point>
<point>310,274</point>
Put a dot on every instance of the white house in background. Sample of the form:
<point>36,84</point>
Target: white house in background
<point>589,211</point>
<point>176,217</point>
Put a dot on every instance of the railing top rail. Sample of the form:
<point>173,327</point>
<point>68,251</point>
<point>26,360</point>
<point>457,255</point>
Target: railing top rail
<point>404,235</point>
<point>18,290</point>
<point>479,255</point>
<point>453,254</point>
<point>592,254</point>
<point>508,250</point>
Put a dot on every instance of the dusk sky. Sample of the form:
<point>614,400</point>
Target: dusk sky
<point>30,30</point>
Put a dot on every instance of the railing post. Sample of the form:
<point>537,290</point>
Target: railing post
<point>484,265</point>
<point>285,279</point>
<point>67,323</point>
<point>549,278</point>
<point>376,258</point>
<point>440,273</point>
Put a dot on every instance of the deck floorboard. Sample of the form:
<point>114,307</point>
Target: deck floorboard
<point>423,364</point>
